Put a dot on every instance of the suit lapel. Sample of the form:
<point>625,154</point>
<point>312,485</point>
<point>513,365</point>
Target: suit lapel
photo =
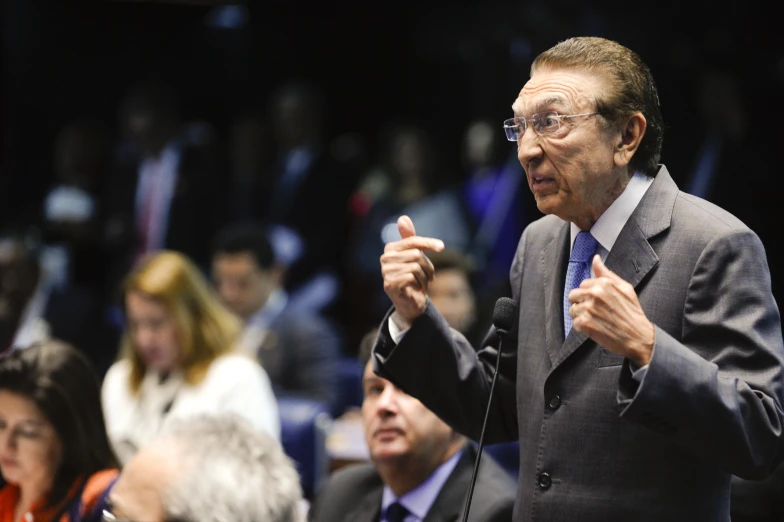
<point>632,256</point>
<point>553,262</point>
<point>448,505</point>
<point>368,509</point>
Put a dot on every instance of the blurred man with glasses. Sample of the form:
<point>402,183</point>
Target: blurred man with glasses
<point>208,469</point>
<point>645,364</point>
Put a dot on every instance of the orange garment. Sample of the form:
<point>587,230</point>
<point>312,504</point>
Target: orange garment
<point>92,492</point>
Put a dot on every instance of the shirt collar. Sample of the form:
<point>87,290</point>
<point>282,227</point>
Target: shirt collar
<point>275,304</point>
<point>419,500</point>
<point>609,225</point>
<point>33,326</point>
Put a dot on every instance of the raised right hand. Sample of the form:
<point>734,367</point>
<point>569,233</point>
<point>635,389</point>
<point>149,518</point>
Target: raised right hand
<point>407,270</point>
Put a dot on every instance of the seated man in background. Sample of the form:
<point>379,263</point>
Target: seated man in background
<point>208,469</point>
<point>298,349</point>
<point>35,307</point>
<point>420,469</point>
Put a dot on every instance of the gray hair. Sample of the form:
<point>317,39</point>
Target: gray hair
<point>231,472</point>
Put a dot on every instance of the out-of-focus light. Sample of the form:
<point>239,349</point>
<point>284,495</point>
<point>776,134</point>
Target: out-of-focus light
<point>228,17</point>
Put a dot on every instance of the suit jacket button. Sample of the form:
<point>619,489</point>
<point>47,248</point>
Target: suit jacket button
<point>544,480</point>
<point>554,403</point>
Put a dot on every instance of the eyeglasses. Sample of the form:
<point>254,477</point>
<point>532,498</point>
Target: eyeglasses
<point>108,516</point>
<point>543,123</point>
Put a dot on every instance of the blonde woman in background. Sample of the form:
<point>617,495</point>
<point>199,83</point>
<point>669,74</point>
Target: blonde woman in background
<point>177,358</point>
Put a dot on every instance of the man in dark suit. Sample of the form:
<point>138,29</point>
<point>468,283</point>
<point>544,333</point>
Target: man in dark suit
<point>421,468</point>
<point>165,191</point>
<point>645,365</point>
<point>311,186</point>
<point>34,306</point>
<point>758,500</point>
<point>298,348</point>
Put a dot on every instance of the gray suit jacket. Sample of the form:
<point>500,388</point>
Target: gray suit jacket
<point>300,353</point>
<point>353,494</point>
<point>595,444</point>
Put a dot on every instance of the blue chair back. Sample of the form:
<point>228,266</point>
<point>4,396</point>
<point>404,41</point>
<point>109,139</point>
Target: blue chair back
<point>350,371</point>
<point>507,454</point>
<point>304,425</point>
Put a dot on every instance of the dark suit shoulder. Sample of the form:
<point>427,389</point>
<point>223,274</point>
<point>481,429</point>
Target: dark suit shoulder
<point>494,494</point>
<point>354,476</point>
<point>303,323</point>
<point>540,232</point>
<point>344,491</point>
<point>704,214</point>
<point>548,224</point>
<point>709,229</point>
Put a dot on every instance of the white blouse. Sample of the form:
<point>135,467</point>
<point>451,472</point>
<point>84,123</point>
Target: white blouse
<point>234,383</point>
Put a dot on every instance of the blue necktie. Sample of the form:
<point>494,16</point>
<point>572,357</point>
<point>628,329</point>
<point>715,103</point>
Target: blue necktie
<point>396,512</point>
<point>579,269</point>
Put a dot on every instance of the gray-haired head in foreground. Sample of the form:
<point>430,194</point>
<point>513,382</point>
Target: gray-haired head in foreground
<point>230,473</point>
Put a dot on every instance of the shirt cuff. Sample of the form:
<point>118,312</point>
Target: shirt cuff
<point>639,373</point>
<point>396,332</point>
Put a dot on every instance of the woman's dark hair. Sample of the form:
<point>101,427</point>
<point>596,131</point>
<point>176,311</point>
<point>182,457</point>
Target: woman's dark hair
<point>63,384</point>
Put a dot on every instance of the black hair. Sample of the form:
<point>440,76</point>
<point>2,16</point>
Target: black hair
<point>244,238</point>
<point>366,346</point>
<point>63,384</point>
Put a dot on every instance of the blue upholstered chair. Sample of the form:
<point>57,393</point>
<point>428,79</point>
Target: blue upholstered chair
<point>350,371</point>
<point>304,425</point>
<point>507,454</point>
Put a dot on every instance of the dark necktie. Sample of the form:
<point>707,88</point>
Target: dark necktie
<point>396,512</point>
<point>579,270</point>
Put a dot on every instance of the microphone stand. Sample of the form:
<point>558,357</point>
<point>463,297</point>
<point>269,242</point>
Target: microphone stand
<point>501,334</point>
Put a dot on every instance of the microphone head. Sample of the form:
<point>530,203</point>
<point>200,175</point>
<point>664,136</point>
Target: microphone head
<point>504,315</point>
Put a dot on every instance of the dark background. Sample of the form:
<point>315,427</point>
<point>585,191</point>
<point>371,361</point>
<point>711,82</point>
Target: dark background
<point>441,66</point>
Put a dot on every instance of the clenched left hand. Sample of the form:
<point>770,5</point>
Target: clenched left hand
<point>606,309</point>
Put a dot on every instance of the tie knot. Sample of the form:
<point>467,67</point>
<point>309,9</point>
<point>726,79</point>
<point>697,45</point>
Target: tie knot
<point>584,247</point>
<point>396,512</point>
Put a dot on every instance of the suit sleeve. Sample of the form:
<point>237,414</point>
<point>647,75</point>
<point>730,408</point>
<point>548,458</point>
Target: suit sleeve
<point>317,351</point>
<point>438,366</point>
<point>718,391</point>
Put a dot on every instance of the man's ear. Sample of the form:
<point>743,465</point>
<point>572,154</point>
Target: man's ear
<point>630,137</point>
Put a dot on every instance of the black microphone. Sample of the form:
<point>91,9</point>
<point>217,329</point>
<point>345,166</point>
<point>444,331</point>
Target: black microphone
<point>504,315</point>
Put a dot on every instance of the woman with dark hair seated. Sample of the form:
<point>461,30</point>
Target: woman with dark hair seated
<point>54,453</point>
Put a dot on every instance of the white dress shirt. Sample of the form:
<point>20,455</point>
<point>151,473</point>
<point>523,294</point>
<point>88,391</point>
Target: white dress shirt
<point>154,194</point>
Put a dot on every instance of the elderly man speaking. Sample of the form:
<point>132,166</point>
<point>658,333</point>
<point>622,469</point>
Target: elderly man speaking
<point>645,364</point>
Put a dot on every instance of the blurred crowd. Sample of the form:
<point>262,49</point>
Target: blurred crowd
<point>177,287</point>
<point>192,276</point>
<point>202,275</point>
<point>169,184</point>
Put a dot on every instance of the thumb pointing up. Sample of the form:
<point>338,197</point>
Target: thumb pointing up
<point>406,227</point>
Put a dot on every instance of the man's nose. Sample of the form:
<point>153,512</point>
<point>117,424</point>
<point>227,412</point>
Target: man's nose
<point>528,147</point>
<point>7,440</point>
<point>388,400</point>
<point>227,292</point>
<point>144,337</point>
